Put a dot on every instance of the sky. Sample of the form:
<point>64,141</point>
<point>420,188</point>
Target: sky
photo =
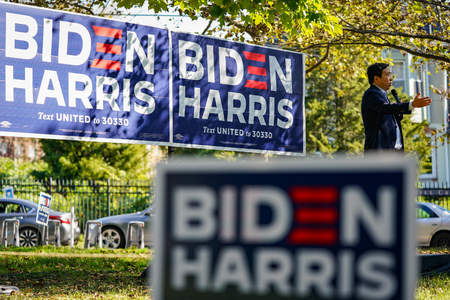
<point>169,20</point>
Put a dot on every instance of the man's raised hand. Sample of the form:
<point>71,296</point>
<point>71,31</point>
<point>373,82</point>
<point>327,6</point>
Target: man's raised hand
<point>421,101</point>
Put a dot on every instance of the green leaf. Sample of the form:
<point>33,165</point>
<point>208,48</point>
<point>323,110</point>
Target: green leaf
<point>257,19</point>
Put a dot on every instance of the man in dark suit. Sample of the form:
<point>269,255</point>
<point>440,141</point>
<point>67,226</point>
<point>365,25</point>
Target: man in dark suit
<point>381,117</point>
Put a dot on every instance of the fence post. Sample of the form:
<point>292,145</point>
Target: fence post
<point>72,229</point>
<point>108,196</point>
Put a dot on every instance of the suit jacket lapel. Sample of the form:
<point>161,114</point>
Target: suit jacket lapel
<point>384,95</point>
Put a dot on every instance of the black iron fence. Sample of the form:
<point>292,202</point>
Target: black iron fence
<point>435,192</point>
<point>91,199</point>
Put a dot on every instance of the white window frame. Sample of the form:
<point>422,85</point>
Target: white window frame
<point>433,174</point>
<point>400,66</point>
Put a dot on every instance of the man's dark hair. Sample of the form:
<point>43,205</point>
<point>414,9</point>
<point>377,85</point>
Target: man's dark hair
<point>375,69</point>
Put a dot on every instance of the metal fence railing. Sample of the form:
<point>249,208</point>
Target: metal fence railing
<point>435,192</point>
<point>92,199</point>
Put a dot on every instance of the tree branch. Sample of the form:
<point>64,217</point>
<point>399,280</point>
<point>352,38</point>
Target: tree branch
<point>435,3</point>
<point>402,34</point>
<point>387,44</point>
<point>413,52</point>
<point>320,60</point>
<point>207,27</point>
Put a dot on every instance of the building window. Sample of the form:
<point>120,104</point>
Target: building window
<point>448,104</point>
<point>3,148</point>
<point>18,151</point>
<point>418,81</point>
<point>31,152</point>
<point>432,159</point>
<point>398,69</point>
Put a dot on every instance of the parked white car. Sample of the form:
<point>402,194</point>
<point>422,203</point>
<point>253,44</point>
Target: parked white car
<point>433,225</point>
<point>114,228</point>
<point>30,232</point>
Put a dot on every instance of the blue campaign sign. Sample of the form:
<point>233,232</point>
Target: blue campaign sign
<point>326,229</point>
<point>43,210</point>
<point>233,95</point>
<point>69,76</point>
<point>65,75</point>
<point>9,192</point>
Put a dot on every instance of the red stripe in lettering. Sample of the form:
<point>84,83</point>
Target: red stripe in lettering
<point>257,71</point>
<point>253,84</point>
<point>308,194</point>
<point>316,215</point>
<point>255,56</point>
<point>108,32</point>
<point>313,236</point>
<point>106,64</point>
<point>109,48</point>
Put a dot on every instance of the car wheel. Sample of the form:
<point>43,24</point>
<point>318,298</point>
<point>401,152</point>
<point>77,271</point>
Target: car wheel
<point>112,237</point>
<point>29,237</point>
<point>441,239</point>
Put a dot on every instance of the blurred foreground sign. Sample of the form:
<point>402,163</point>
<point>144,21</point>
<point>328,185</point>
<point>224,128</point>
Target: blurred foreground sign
<point>328,229</point>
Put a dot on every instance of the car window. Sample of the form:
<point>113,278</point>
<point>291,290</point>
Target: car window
<point>423,212</point>
<point>12,208</point>
<point>26,209</point>
<point>2,208</point>
<point>442,208</point>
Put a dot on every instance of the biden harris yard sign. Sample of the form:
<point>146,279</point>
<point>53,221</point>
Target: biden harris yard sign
<point>8,192</point>
<point>43,209</point>
<point>70,76</point>
<point>328,229</point>
<point>65,75</point>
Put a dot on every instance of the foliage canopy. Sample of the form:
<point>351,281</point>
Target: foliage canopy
<point>418,27</point>
<point>75,160</point>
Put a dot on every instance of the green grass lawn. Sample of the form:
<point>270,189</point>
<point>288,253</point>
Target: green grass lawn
<point>64,273</point>
<point>436,287</point>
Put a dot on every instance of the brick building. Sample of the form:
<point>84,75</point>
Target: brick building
<point>20,148</point>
